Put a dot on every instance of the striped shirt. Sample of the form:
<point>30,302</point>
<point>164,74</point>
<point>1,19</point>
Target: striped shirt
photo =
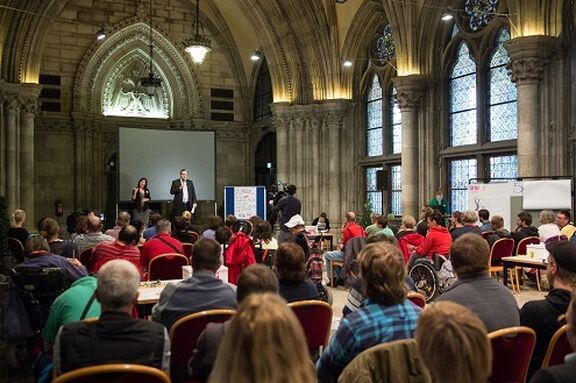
<point>370,325</point>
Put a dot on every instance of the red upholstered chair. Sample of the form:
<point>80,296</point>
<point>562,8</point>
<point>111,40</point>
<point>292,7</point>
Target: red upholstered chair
<point>196,236</point>
<point>511,353</point>
<point>521,248</point>
<point>487,234</point>
<point>188,250</point>
<point>114,373</point>
<point>166,266</point>
<point>558,348</point>
<point>417,298</point>
<point>316,320</point>
<point>184,334</point>
<point>504,247</point>
<point>16,249</point>
<point>86,257</point>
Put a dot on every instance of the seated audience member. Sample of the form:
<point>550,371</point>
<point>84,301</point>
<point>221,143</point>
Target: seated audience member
<point>213,224</point>
<point>475,288</point>
<point>422,225</point>
<point>373,227</point>
<point>93,236</point>
<point>80,227</point>
<point>120,338</point>
<point>563,373</point>
<point>548,229</point>
<point>230,221</point>
<point>567,228</point>
<point>407,227</point>
<point>262,236</point>
<point>161,243</point>
<point>122,220</point>
<point>437,241</point>
<point>139,225</point>
<point>468,225</point>
<point>498,230</point>
<point>450,333</point>
<point>223,235</point>
<point>151,231</point>
<point>321,222</point>
<point>69,307</point>
<point>50,230</point>
<point>202,291</point>
<point>291,270</point>
<point>484,217</point>
<point>386,315</point>
<point>545,316</point>
<point>455,221</point>
<point>37,254</point>
<point>524,227</point>
<point>254,220</point>
<point>297,228</point>
<point>182,231</point>
<point>350,230</point>
<point>16,230</point>
<point>239,253</point>
<point>123,248</point>
<point>408,237</point>
<point>383,228</point>
<point>263,343</point>
<point>253,279</point>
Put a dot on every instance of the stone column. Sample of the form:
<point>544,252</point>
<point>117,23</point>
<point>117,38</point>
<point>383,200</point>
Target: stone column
<point>281,123</point>
<point>528,57</point>
<point>27,176</point>
<point>12,138</point>
<point>409,92</point>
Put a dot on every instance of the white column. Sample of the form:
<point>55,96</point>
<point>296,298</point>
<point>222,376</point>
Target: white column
<point>27,175</point>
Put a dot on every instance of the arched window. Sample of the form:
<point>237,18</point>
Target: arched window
<point>374,116</point>
<point>462,94</point>
<point>263,97</point>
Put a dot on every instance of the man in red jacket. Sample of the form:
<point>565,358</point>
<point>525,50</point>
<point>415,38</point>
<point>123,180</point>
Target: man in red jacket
<point>438,240</point>
<point>350,230</point>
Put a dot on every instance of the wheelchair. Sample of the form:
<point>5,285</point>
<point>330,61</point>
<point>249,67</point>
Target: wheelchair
<point>432,278</point>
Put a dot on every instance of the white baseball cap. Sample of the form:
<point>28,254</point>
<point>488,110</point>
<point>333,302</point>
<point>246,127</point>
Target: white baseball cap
<point>296,220</point>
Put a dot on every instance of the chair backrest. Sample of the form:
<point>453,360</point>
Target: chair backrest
<point>166,266</point>
<point>417,298</point>
<point>114,373</point>
<point>503,247</point>
<point>558,348</point>
<point>511,353</point>
<point>487,234</point>
<point>140,247</point>
<point>16,249</point>
<point>316,320</point>
<point>188,250</point>
<point>195,236</point>
<point>185,332</point>
<point>521,249</point>
<point>86,257</point>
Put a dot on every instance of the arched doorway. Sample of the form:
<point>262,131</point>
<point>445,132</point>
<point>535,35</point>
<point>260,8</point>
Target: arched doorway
<point>265,161</point>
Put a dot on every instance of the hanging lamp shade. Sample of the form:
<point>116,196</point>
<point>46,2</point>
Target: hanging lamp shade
<point>198,45</point>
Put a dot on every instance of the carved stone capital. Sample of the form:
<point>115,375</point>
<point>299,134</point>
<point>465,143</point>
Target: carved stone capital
<point>409,90</point>
<point>529,55</point>
<point>13,104</point>
<point>30,106</point>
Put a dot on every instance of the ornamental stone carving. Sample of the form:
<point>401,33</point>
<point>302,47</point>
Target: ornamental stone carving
<point>529,55</point>
<point>409,91</point>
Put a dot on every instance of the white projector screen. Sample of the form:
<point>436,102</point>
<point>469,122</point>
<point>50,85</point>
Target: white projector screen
<point>160,154</point>
<point>555,194</point>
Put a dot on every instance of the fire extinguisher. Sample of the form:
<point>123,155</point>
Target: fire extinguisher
<point>59,208</point>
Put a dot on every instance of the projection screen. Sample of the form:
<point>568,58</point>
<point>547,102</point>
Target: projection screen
<point>160,154</point>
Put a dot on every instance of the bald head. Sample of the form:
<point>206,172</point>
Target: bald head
<point>129,235</point>
<point>94,224</point>
<point>350,216</point>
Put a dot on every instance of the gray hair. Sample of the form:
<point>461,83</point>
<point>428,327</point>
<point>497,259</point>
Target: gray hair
<point>469,217</point>
<point>118,282</point>
<point>123,218</point>
<point>163,226</point>
<point>547,216</point>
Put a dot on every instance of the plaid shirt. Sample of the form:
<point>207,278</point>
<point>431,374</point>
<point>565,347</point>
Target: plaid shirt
<point>370,325</point>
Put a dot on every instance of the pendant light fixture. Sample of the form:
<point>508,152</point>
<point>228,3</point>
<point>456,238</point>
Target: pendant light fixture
<point>151,83</point>
<point>198,45</point>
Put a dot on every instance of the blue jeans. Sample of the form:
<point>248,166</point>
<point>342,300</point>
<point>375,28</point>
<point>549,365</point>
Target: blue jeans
<point>336,255</point>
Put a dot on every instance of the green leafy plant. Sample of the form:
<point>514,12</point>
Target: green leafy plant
<point>365,221</point>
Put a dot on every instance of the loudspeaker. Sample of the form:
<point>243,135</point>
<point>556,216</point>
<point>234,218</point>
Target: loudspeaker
<point>381,180</point>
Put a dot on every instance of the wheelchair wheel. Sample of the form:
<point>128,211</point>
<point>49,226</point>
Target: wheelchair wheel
<point>425,279</point>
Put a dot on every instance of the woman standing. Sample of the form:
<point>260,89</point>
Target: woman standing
<point>141,198</point>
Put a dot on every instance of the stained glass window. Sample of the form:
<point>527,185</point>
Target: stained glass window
<point>462,95</point>
<point>373,195</point>
<point>480,13</point>
<point>504,167</point>
<point>396,189</point>
<point>383,48</point>
<point>502,94</point>
<point>460,173</point>
<point>263,97</point>
<point>374,116</point>
<point>396,123</point>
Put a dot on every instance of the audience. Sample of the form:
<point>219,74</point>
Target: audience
<point>50,230</point>
<point>373,227</point>
<point>151,231</point>
<point>139,225</point>
<point>253,279</point>
<point>120,338</point>
<point>262,236</point>
<point>408,238</point>
<point>93,235</point>
<point>37,253</point>
<point>202,291</point>
<point>161,243</point>
<point>213,224</point>
<point>299,234</point>
<point>498,230</point>
<point>16,230</point>
<point>288,206</point>
<point>350,230</point>
<point>453,343</point>
<point>566,372</point>
<point>183,232</point>
<point>564,223</point>
<point>468,225</point>
<point>292,277</point>
<point>545,316</point>
<point>122,220</point>
<point>475,288</point>
<point>322,223</point>
<point>383,228</point>
<point>524,227</point>
<point>263,343</point>
<point>484,218</point>
<point>455,221</point>
<point>387,315</point>
<point>548,229</point>
<point>239,253</point>
<point>422,225</point>
<point>437,241</point>
<point>123,248</point>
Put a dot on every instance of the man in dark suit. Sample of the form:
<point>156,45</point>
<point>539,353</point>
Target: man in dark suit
<point>184,194</point>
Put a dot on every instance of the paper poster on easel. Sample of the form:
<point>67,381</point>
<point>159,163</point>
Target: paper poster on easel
<point>493,197</point>
<point>245,201</point>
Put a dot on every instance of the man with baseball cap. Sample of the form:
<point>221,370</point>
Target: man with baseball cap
<point>297,228</point>
<point>547,315</point>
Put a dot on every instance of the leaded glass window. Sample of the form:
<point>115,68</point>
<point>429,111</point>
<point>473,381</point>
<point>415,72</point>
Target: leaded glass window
<point>460,173</point>
<point>373,196</point>
<point>374,115</point>
<point>383,49</point>
<point>462,95</point>
<point>396,123</point>
<point>396,189</point>
<point>263,96</point>
<point>504,167</point>
<point>480,13</point>
<point>502,96</point>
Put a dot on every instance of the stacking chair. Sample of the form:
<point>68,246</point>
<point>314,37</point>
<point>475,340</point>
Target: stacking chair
<point>511,353</point>
<point>558,348</point>
<point>188,250</point>
<point>184,335</point>
<point>114,373</point>
<point>316,320</point>
<point>504,247</point>
<point>166,266</point>
<point>521,250</point>
<point>417,298</point>
<point>16,249</point>
<point>86,257</point>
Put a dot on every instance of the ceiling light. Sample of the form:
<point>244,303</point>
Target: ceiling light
<point>256,55</point>
<point>347,63</point>
<point>198,45</point>
<point>448,14</point>
<point>151,83</point>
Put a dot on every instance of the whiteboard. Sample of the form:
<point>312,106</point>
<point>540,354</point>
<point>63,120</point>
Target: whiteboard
<point>493,197</point>
<point>556,194</point>
<point>245,201</point>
